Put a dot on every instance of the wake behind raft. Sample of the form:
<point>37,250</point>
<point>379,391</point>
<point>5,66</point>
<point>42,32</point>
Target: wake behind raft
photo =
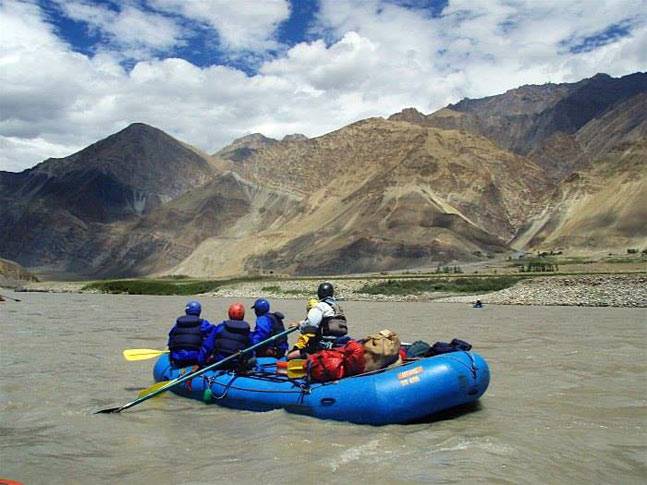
<point>410,392</point>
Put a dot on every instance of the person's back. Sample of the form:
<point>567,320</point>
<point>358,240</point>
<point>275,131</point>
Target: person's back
<point>326,322</point>
<point>228,337</point>
<point>187,337</point>
<point>267,325</point>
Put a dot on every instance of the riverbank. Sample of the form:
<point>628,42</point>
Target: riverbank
<point>582,290</point>
<point>612,290</point>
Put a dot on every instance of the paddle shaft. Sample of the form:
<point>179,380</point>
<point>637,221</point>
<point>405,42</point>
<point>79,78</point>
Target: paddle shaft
<point>9,298</point>
<point>196,373</point>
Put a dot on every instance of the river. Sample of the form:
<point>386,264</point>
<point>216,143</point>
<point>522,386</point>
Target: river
<point>567,402</point>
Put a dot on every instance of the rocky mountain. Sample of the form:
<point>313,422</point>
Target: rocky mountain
<point>226,208</point>
<point>541,121</point>
<point>130,172</point>
<point>386,194</point>
<point>588,137</point>
<point>245,147</point>
<point>53,209</point>
<point>603,206</point>
<point>558,165</point>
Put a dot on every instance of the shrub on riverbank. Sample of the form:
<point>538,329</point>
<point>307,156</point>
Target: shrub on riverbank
<point>160,287</point>
<point>453,285</point>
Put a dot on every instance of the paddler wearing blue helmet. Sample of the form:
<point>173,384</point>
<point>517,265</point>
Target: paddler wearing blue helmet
<point>187,337</point>
<point>268,324</point>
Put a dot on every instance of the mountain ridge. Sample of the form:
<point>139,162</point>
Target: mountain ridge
<point>537,167</point>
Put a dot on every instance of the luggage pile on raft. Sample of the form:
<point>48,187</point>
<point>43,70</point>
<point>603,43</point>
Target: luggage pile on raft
<point>378,351</point>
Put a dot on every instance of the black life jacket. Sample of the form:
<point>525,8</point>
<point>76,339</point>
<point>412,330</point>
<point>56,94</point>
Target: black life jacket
<point>334,326</point>
<point>186,334</point>
<point>277,326</point>
<point>233,337</point>
<point>273,349</point>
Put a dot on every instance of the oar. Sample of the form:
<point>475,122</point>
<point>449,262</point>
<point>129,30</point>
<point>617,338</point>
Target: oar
<point>9,298</point>
<point>196,373</point>
<point>142,354</point>
<point>148,390</point>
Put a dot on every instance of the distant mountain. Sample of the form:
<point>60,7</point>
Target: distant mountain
<point>538,167</point>
<point>540,121</point>
<point>243,148</point>
<point>51,210</point>
<point>130,172</point>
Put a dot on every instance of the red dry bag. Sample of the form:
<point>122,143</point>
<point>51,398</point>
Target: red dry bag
<point>326,365</point>
<point>353,358</point>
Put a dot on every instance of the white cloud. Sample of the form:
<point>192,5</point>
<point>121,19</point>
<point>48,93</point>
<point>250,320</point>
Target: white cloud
<point>376,59</point>
<point>130,30</point>
<point>241,24</point>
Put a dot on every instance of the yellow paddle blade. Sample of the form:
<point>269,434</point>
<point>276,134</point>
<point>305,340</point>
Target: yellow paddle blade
<point>142,354</point>
<point>296,368</point>
<point>153,388</point>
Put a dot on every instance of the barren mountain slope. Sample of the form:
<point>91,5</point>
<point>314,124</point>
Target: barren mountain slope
<point>129,172</point>
<point>242,148</point>
<point>58,210</point>
<point>464,169</point>
<point>603,206</point>
<point>383,194</point>
<point>171,233</point>
<point>542,121</point>
<point>378,194</point>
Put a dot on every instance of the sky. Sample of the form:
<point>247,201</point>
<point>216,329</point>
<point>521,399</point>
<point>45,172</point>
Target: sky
<point>209,71</point>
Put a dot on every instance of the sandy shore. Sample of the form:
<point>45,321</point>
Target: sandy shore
<point>618,290</point>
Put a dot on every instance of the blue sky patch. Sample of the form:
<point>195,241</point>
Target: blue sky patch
<point>611,34</point>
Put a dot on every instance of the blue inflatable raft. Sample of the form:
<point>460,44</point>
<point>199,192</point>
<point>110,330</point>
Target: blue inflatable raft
<point>401,394</point>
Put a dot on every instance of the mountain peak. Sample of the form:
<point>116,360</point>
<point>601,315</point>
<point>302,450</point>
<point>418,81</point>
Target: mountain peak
<point>138,131</point>
<point>295,137</point>
<point>256,139</point>
<point>244,147</point>
<point>412,115</point>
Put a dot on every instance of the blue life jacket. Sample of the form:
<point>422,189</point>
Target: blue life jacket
<point>186,334</point>
<point>233,337</point>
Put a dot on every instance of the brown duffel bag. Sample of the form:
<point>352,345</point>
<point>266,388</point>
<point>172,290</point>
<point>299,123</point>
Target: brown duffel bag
<point>381,350</point>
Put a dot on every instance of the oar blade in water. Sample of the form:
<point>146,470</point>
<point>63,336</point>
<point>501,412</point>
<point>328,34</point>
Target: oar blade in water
<point>109,410</point>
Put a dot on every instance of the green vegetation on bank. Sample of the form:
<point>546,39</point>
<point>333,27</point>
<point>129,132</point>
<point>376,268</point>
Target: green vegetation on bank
<point>454,285</point>
<point>179,286</point>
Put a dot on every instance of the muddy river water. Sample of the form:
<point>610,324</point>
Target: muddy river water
<point>567,402</point>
